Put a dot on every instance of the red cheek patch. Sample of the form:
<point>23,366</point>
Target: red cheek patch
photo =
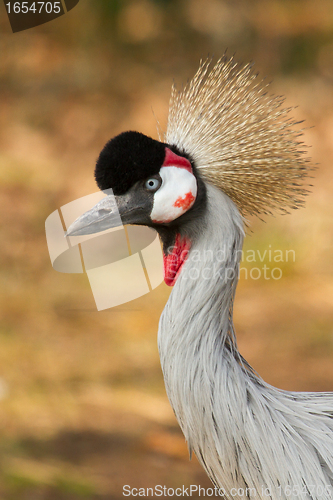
<point>185,202</point>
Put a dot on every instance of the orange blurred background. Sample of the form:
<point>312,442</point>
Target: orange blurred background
<point>83,409</point>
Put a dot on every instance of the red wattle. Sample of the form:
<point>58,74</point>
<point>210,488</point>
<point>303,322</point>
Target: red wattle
<point>174,261</point>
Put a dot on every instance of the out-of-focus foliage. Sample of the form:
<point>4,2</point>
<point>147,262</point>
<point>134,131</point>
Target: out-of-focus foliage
<point>83,409</point>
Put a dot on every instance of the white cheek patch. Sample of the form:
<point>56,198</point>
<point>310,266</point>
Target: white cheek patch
<point>175,196</point>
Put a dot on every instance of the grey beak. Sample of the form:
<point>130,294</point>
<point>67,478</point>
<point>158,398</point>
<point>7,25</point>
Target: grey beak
<point>102,216</point>
<point>132,207</point>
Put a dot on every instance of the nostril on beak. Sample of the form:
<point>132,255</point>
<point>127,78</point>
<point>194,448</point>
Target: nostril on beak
<point>105,211</point>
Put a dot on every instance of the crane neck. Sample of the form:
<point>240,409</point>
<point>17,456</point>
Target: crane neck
<point>206,284</point>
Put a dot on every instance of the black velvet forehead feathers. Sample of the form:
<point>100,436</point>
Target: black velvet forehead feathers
<point>127,158</point>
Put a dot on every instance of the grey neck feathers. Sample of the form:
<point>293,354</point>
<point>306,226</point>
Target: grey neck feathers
<point>245,433</point>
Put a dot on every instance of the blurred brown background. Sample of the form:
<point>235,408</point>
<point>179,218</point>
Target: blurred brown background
<point>83,409</point>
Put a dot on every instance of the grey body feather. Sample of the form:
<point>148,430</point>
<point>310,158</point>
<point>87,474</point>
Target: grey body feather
<point>246,433</point>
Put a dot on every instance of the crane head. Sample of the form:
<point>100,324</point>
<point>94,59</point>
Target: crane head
<point>153,185</point>
<point>223,128</point>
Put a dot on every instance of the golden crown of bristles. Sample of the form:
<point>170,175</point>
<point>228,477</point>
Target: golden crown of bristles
<point>239,137</point>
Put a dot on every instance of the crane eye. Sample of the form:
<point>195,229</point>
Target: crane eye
<point>153,184</point>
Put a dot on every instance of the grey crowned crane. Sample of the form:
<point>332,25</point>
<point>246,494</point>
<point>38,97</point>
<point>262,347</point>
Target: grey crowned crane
<point>229,150</point>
